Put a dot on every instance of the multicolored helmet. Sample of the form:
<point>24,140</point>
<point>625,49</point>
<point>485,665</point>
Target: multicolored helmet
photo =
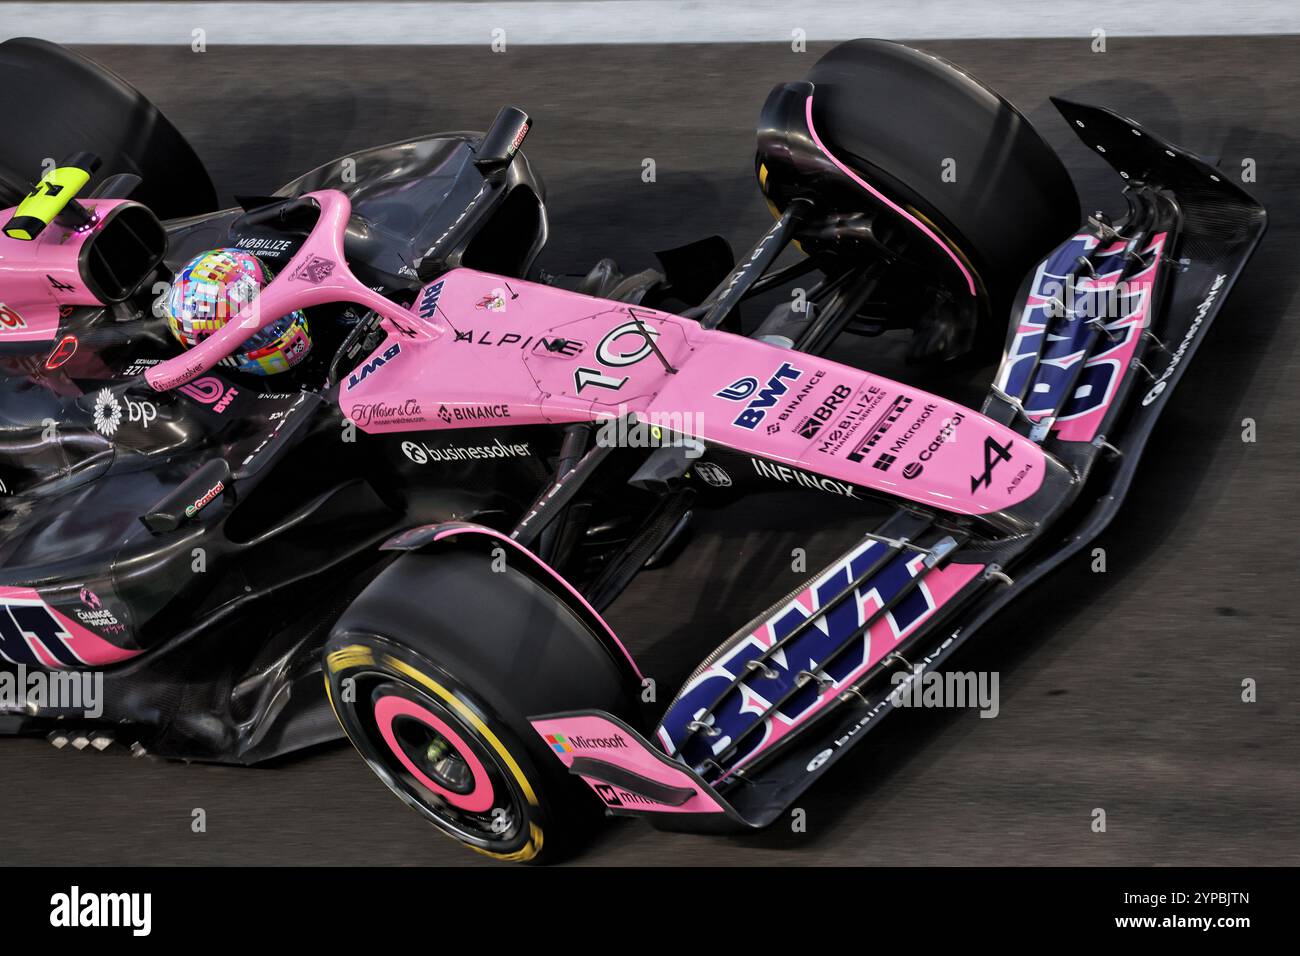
<point>211,288</point>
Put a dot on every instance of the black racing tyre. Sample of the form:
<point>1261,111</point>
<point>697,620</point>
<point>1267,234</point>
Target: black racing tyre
<point>433,671</point>
<point>897,116</point>
<point>57,103</point>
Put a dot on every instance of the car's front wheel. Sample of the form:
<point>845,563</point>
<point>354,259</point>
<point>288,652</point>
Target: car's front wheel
<point>433,672</point>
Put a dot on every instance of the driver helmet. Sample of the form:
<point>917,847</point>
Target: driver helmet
<point>211,288</point>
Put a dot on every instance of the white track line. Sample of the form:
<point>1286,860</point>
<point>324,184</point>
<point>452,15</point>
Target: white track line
<point>544,22</point>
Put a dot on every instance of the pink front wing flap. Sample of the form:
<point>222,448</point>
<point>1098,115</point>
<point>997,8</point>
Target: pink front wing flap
<point>755,695</point>
<point>501,352</point>
<point>589,735</point>
<point>1040,362</point>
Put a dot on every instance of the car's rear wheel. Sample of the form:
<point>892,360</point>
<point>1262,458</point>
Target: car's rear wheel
<point>57,103</point>
<point>433,672</point>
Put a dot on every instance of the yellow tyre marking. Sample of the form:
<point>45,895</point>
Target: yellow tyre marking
<point>530,850</point>
<point>354,655</point>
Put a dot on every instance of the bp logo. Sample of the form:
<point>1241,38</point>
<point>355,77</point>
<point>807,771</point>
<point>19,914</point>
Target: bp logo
<point>108,413</point>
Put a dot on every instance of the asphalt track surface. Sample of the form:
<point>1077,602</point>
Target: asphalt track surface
<point>1119,690</point>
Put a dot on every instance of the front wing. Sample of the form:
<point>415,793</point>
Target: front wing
<point>778,703</point>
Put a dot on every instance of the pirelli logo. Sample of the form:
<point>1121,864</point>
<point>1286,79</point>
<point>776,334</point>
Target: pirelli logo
<point>880,427</point>
<point>354,655</point>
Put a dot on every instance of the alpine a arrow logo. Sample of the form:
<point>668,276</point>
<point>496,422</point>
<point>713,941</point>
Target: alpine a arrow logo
<point>993,453</point>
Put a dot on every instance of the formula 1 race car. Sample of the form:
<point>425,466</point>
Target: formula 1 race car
<point>422,493</point>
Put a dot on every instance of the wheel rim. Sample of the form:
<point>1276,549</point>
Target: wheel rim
<point>432,752</point>
<point>436,764</point>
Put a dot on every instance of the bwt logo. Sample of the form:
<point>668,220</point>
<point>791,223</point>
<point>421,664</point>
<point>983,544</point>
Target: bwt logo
<point>210,391</point>
<point>1060,318</point>
<point>31,634</point>
<point>739,390</point>
<point>374,365</point>
<point>768,395</point>
<point>429,300</point>
<point>811,651</point>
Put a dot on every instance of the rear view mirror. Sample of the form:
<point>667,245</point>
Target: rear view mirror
<point>503,139</point>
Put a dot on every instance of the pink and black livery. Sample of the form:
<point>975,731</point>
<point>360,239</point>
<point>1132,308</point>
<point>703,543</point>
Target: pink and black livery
<point>428,511</point>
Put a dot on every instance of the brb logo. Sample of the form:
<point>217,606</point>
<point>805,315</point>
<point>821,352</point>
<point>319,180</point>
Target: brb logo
<point>815,650</point>
<point>757,408</point>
